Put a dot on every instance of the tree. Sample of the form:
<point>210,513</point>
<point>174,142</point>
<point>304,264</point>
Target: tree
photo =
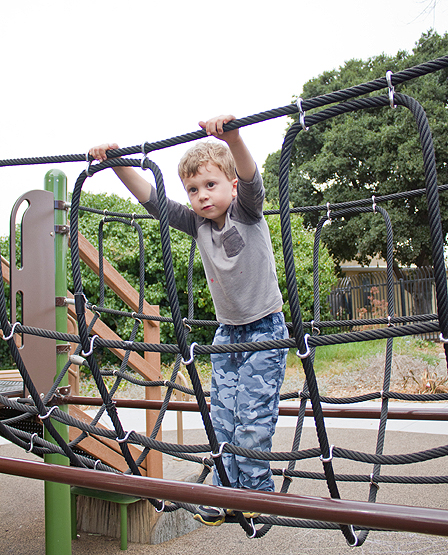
<point>372,152</point>
<point>121,249</point>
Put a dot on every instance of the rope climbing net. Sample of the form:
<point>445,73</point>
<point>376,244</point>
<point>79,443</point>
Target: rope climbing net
<point>305,336</point>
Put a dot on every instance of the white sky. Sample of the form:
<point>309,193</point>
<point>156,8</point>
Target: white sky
<point>76,74</point>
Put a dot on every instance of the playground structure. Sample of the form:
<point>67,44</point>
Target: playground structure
<point>346,514</point>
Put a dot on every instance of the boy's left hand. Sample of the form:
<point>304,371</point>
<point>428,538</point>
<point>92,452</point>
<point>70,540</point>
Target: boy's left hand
<point>215,127</point>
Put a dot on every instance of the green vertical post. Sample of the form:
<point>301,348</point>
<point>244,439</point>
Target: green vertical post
<point>57,496</point>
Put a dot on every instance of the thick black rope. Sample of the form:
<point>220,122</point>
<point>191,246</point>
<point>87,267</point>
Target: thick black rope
<point>432,196</point>
<point>42,410</point>
<point>307,104</point>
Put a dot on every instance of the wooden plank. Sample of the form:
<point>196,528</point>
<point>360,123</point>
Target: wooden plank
<point>99,447</point>
<point>154,461</point>
<point>10,375</point>
<point>113,279</point>
<point>5,269</point>
<point>136,362</point>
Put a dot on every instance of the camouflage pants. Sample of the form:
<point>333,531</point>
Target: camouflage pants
<point>245,393</point>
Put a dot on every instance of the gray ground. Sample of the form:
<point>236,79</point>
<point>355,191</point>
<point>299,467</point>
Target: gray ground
<point>22,508</point>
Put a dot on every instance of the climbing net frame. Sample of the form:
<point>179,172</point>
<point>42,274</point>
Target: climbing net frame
<point>340,102</point>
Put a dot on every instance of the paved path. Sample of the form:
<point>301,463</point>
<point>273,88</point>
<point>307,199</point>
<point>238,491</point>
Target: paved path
<point>22,500</point>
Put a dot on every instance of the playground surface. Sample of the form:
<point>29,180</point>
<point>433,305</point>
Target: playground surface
<point>22,506</point>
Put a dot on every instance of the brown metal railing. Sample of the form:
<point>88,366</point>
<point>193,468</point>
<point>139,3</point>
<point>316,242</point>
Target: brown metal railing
<point>357,513</point>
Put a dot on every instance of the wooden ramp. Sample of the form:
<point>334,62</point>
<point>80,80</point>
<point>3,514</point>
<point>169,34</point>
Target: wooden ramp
<point>104,449</point>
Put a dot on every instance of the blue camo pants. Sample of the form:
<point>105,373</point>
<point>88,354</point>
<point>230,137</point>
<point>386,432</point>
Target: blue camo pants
<point>245,394</point>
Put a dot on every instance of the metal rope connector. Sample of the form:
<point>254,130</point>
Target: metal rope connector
<point>10,336</point>
<point>89,163</point>
<point>144,159</point>
<point>92,341</point>
<point>328,212</point>
<point>301,114</point>
<point>30,450</point>
<point>306,354</point>
<point>192,346</point>
<point>254,530</point>
<point>373,483</point>
<point>125,438</point>
<point>219,453</point>
<point>391,89</point>
<point>355,543</point>
<point>162,508</point>
<point>45,416</point>
<point>330,458</point>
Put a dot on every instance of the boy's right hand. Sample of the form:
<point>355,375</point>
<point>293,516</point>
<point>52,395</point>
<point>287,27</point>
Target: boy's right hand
<point>99,152</point>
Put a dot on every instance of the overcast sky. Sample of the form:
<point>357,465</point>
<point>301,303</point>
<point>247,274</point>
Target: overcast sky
<point>75,74</point>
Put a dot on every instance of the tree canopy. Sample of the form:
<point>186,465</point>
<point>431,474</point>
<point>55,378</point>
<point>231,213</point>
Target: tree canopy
<point>372,152</point>
<point>121,249</point>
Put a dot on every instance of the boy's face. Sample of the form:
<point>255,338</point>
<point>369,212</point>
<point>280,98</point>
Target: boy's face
<point>210,193</point>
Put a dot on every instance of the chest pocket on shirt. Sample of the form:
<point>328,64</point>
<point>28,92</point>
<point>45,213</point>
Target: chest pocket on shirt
<point>232,242</point>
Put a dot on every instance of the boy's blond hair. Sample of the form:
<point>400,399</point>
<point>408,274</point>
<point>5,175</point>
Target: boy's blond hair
<point>206,152</point>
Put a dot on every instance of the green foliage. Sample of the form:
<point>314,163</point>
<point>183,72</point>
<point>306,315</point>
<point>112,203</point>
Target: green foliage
<point>372,152</point>
<point>6,360</point>
<point>303,244</point>
<point>121,249</point>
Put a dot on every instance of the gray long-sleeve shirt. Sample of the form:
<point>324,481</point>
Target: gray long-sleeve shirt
<point>238,259</point>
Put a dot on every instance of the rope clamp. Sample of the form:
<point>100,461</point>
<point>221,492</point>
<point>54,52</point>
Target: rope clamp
<point>45,416</point>
<point>186,326</point>
<point>330,458</point>
<point>373,204</point>
<point>390,324</point>
<point>355,543</point>
<point>134,315</point>
<point>89,163</point>
<point>306,354</point>
<point>125,438</point>
<point>30,450</point>
<point>391,89</point>
<point>254,530</point>
<point>285,476</point>
<point>373,483</point>
<point>14,327</point>
<point>144,157</point>
<point>97,462</point>
<point>314,329</point>
<point>219,453</point>
<point>96,310</point>
<point>192,346</point>
<point>328,212</point>
<point>162,508</point>
<point>302,114</point>
<point>206,463</point>
<point>92,341</point>
<point>442,339</point>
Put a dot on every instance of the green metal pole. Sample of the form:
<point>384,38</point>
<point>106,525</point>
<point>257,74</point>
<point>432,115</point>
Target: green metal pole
<point>57,496</point>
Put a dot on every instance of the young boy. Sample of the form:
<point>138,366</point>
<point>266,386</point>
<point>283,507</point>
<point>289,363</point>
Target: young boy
<point>226,193</point>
